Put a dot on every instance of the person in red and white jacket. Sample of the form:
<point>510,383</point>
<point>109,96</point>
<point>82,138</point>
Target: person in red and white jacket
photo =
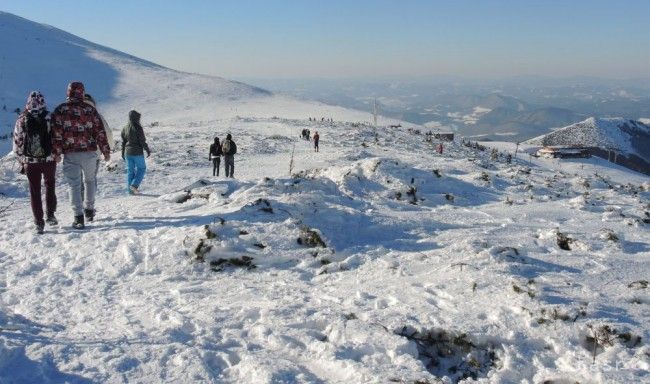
<point>77,133</point>
<point>32,145</point>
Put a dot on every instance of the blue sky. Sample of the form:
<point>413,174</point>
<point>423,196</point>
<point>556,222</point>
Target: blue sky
<point>364,38</point>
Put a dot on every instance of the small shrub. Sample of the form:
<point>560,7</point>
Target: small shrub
<point>559,315</point>
<point>605,336</point>
<point>242,262</point>
<point>208,233</point>
<point>449,197</point>
<point>452,355</point>
<point>609,235</point>
<point>639,284</point>
<point>201,250</point>
<point>529,291</point>
<point>263,205</point>
<point>563,241</point>
<point>437,173</point>
<point>310,238</point>
<point>411,194</point>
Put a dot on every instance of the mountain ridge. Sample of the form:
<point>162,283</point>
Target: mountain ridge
<point>628,138</point>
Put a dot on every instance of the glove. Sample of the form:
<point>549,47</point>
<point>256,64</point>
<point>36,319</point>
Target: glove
<point>122,154</point>
<point>148,153</point>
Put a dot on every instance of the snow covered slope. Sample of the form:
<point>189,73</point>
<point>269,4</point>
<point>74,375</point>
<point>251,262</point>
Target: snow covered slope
<point>40,57</point>
<point>376,261</point>
<point>430,266</point>
<point>628,138</point>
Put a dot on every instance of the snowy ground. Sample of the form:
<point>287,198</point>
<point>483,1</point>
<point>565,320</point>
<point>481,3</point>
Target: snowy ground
<point>463,277</point>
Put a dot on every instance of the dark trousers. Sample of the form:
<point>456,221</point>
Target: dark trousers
<point>229,161</point>
<point>216,163</point>
<point>36,171</point>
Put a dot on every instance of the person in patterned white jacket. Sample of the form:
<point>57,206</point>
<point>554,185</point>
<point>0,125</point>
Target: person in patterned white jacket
<point>32,145</point>
<point>78,132</point>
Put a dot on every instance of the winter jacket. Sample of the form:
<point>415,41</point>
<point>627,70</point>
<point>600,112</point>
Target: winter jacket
<point>233,148</point>
<point>20,133</point>
<point>109,133</point>
<point>133,141</point>
<point>107,129</point>
<point>215,150</point>
<point>76,126</point>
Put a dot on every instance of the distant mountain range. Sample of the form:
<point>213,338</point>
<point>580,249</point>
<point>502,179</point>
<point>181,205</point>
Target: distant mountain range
<point>514,109</point>
<point>629,140</point>
<point>522,124</point>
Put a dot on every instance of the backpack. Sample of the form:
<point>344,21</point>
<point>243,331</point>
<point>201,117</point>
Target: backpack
<point>225,147</point>
<point>38,139</point>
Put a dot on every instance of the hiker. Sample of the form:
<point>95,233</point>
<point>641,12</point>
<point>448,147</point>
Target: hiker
<point>316,138</point>
<point>134,144</point>
<point>229,149</point>
<point>32,144</point>
<point>215,156</point>
<point>77,132</point>
<point>440,148</point>
<point>308,138</point>
<point>88,99</point>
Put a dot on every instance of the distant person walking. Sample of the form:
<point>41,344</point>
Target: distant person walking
<point>32,144</point>
<point>215,156</point>
<point>316,138</point>
<point>134,144</point>
<point>229,149</point>
<point>77,132</point>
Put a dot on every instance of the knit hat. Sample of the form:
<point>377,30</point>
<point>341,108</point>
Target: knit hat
<point>229,137</point>
<point>35,102</point>
<point>76,90</point>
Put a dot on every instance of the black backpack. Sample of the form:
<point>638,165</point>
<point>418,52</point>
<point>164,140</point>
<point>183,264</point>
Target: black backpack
<point>38,140</point>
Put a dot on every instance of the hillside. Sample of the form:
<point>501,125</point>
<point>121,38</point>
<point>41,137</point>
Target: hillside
<point>418,250</point>
<point>121,82</point>
<point>628,138</point>
<point>374,260</point>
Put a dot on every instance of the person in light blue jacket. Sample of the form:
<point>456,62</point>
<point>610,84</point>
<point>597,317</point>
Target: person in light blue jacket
<point>134,144</point>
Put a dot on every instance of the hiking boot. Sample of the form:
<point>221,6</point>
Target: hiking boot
<point>78,222</point>
<point>40,228</point>
<point>133,190</point>
<point>51,220</point>
<point>90,214</point>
